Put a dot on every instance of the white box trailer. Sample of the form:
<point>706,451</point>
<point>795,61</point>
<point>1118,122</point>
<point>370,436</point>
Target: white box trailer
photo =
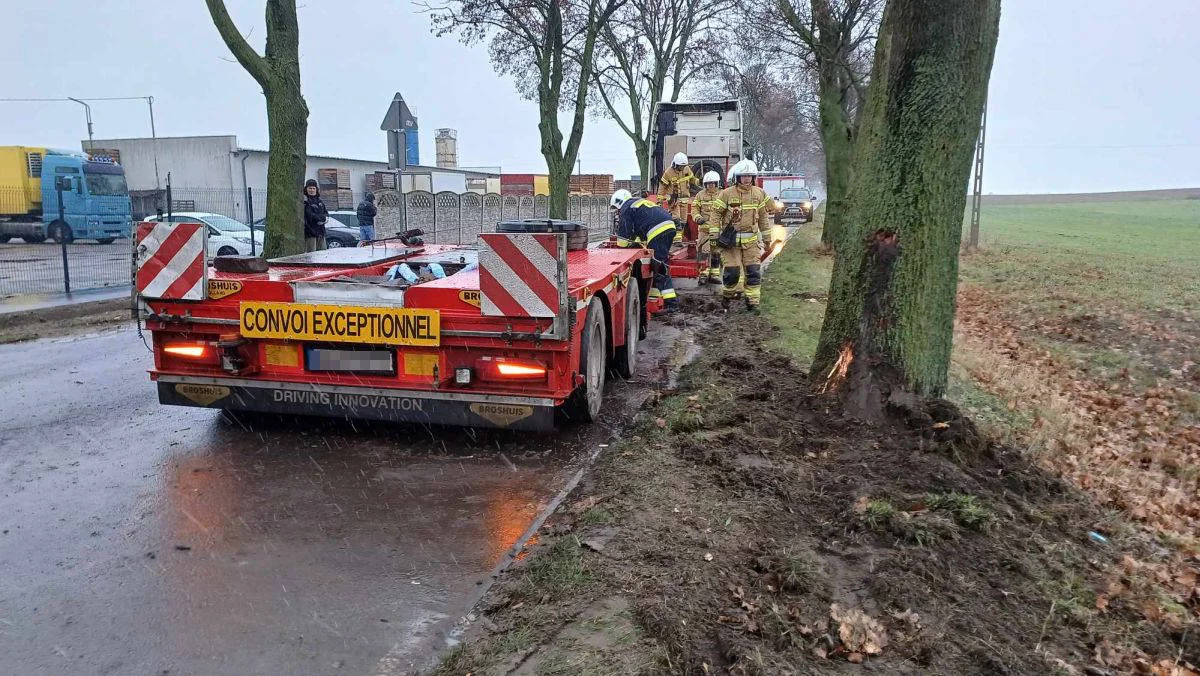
<point>709,133</point>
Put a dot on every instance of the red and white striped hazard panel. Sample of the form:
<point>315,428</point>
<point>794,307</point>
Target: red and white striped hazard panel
<point>519,274</point>
<point>171,262</point>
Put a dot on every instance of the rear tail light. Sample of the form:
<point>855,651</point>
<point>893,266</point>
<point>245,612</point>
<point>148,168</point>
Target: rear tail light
<point>503,369</point>
<point>188,350</point>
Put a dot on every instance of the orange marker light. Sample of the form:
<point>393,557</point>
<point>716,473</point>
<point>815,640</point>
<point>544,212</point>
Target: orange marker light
<point>519,370</point>
<point>186,350</point>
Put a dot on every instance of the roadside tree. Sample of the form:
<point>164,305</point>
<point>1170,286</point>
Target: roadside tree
<point>548,47</point>
<point>833,40</point>
<point>277,71</point>
<point>889,322</point>
<point>648,52</point>
<point>778,108</point>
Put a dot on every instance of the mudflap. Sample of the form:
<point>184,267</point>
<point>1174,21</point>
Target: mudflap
<point>360,403</point>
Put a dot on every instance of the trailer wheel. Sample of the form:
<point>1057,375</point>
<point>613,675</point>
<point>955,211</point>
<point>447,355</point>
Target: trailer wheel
<point>585,401</point>
<point>60,232</point>
<point>625,360</point>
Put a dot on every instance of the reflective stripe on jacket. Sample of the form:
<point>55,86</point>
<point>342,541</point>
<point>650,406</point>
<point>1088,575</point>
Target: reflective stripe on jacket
<point>747,208</point>
<point>674,183</point>
<point>640,221</point>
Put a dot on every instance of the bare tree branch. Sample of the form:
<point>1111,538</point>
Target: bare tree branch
<point>251,60</point>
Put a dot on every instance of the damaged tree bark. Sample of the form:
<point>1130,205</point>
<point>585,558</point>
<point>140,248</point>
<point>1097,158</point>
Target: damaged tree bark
<point>889,323</point>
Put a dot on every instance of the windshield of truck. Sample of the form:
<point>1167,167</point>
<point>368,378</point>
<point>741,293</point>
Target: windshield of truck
<point>104,179</point>
<point>795,194</point>
<point>226,224</point>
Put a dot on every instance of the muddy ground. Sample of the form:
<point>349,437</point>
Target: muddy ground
<point>744,526</point>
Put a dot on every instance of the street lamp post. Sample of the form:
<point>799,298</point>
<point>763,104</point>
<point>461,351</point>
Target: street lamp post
<point>88,112</point>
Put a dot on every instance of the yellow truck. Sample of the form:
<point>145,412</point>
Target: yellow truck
<point>95,197</point>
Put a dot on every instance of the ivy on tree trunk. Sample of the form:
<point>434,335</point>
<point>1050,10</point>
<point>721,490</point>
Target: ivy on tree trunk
<point>277,71</point>
<point>889,323</point>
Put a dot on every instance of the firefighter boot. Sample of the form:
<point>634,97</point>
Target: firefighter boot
<point>753,287</point>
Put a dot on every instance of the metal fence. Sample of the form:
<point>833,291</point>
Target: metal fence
<point>32,263</point>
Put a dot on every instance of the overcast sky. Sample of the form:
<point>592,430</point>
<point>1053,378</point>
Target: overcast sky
<point>1086,95</point>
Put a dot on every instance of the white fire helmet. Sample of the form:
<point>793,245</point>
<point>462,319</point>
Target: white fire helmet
<point>679,160</point>
<point>711,177</point>
<point>743,168</point>
<point>619,198</point>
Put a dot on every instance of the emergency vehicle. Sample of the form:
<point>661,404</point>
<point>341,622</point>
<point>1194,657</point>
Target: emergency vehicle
<point>519,331</point>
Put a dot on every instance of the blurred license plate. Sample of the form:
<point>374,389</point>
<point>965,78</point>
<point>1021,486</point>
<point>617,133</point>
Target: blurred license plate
<point>350,361</point>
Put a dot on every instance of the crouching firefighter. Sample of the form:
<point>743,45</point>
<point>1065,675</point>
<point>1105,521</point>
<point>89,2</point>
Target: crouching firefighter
<point>642,222</point>
<point>708,208</point>
<point>744,220</point>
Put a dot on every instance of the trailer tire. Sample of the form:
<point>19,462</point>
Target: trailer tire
<point>60,232</point>
<point>625,359</point>
<point>584,403</point>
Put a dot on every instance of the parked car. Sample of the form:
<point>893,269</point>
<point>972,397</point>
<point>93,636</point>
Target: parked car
<point>340,230</point>
<point>226,237</point>
<point>797,205</point>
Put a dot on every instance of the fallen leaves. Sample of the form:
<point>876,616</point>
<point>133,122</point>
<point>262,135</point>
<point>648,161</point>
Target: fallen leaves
<point>859,632</point>
<point>1127,441</point>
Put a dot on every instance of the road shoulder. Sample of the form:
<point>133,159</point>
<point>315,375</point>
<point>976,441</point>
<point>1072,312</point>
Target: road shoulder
<point>744,526</point>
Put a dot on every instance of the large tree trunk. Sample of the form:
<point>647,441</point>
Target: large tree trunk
<point>837,139</point>
<point>287,124</point>
<point>560,188</point>
<point>888,325</point>
<point>278,73</point>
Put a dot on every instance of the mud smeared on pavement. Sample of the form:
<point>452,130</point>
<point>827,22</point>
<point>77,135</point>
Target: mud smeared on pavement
<point>746,527</point>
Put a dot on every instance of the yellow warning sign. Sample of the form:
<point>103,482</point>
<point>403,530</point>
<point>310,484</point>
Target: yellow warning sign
<point>202,394</point>
<point>470,298</point>
<point>341,323</point>
<point>282,355</point>
<point>502,415</point>
<point>219,288</point>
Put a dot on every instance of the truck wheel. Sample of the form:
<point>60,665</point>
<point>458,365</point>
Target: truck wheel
<point>625,360</point>
<point>106,240</point>
<point>585,401</point>
<point>60,232</point>
<point>227,251</point>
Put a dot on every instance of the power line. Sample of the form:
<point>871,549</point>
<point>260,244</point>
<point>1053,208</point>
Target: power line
<point>84,98</point>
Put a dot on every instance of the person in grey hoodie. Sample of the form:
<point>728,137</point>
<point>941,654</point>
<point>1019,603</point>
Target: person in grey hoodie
<point>366,218</point>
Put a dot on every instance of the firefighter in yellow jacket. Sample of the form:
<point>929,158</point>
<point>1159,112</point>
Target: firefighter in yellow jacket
<point>707,208</point>
<point>747,210</point>
<point>676,187</point>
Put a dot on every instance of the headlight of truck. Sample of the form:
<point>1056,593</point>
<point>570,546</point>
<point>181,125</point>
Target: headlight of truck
<point>778,205</point>
<point>807,205</point>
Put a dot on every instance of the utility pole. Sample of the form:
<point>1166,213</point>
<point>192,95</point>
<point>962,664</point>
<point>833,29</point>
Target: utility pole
<point>88,112</point>
<point>977,194</point>
<point>154,144</point>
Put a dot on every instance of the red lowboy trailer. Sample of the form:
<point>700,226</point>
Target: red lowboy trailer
<point>517,332</point>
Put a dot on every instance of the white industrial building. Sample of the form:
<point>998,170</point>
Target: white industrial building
<point>212,173</point>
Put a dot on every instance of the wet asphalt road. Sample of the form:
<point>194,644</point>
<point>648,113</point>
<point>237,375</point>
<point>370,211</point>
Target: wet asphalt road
<point>142,539</point>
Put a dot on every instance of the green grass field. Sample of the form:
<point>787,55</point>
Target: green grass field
<point>1134,255</point>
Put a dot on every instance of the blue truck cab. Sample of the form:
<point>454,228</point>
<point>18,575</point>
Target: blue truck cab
<point>95,198</point>
<point>96,205</point>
